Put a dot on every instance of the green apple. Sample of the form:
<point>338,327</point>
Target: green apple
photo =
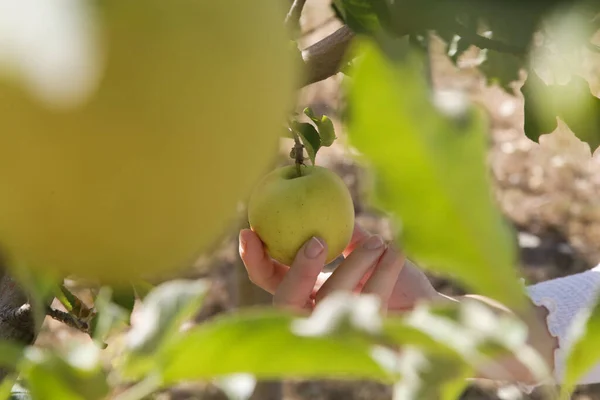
<point>287,209</point>
<point>146,174</point>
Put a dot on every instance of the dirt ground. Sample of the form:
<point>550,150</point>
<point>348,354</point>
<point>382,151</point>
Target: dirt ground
<point>547,190</point>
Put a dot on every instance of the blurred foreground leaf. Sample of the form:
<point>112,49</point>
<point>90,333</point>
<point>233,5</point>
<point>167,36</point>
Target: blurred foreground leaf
<point>335,341</point>
<point>430,173</point>
<point>76,375</point>
<point>584,353</point>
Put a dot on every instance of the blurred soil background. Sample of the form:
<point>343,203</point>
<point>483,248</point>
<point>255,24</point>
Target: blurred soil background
<point>549,191</point>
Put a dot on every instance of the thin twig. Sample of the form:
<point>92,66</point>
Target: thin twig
<point>292,19</point>
<point>68,319</point>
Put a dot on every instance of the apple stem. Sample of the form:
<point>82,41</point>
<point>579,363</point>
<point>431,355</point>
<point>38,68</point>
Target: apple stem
<point>298,153</point>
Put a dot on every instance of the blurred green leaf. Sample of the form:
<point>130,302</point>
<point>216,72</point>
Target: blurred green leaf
<point>163,311</point>
<point>142,288</point>
<point>324,126</point>
<point>10,353</point>
<point>429,168</point>
<point>572,102</point>
<point>310,138</point>
<point>6,387</point>
<point>540,112</point>
<point>584,353</point>
<point>76,375</point>
<point>431,378</point>
<point>263,343</point>
<point>359,15</point>
<point>501,69</point>
<point>124,297</point>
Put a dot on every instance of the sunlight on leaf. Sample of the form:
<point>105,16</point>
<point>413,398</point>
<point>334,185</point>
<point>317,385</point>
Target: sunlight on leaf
<point>584,353</point>
<point>261,343</point>
<point>163,311</point>
<point>74,375</point>
<point>425,164</point>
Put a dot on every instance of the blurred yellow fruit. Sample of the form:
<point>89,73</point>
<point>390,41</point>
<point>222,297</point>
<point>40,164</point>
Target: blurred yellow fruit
<point>286,210</point>
<point>147,173</point>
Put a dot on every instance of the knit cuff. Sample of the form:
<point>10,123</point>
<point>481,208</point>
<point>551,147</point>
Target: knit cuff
<point>567,299</point>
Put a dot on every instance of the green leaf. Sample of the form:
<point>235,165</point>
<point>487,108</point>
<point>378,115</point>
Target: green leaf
<point>431,378</point>
<point>10,353</point>
<point>76,375</point>
<point>540,110</point>
<point>142,288</point>
<point>10,390</point>
<point>337,340</point>
<point>325,127</point>
<point>163,311</point>
<point>584,353</point>
<point>501,69</point>
<point>310,138</point>
<point>572,102</point>
<point>431,174</point>
<point>359,15</point>
<point>124,297</point>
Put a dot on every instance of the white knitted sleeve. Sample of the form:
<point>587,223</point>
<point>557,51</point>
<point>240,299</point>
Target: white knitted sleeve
<point>566,298</point>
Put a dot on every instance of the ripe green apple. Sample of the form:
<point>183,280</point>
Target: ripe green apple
<point>147,173</point>
<point>286,210</point>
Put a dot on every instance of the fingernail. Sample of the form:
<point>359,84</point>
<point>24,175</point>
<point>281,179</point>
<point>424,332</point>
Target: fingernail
<point>313,248</point>
<point>243,242</point>
<point>373,243</point>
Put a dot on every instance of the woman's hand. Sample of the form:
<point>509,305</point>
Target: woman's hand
<point>370,266</point>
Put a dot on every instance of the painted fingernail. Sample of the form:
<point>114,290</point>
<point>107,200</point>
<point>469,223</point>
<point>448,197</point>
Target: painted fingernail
<point>313,248</point>
<point>373,243</point>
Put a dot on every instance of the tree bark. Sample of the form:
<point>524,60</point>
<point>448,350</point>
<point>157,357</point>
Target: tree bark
<point>324,58</point>
<point>17,322</point>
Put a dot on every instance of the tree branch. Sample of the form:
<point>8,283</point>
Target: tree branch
<point>324,58</point>
<point>17,322</point>
<point>68,319</point>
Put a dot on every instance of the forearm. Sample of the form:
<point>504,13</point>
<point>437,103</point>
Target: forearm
<point>555,304</point>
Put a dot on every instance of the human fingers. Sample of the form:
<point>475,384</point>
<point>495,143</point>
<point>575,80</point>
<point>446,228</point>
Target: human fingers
<point>296,289</point>
<point>263,271</point>
<point>358,235</point>
<point>349,273</point>
<point>385,274</point>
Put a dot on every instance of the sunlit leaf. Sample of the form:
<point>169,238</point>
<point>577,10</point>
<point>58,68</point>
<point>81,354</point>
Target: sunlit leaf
<point>76,375</point>
<point>163,311</point>
<point>584,353</point>
<point>124,297</point>
<point>358,15</point>
<point>336,340</point>
<point>324,126</point>
<point>540,111</point>
<point>430,378</point>
<point>263,344</point>
<point>572,102</point>
<point>428,165</point>
<point>502,69</point>
<point>10,353</point>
